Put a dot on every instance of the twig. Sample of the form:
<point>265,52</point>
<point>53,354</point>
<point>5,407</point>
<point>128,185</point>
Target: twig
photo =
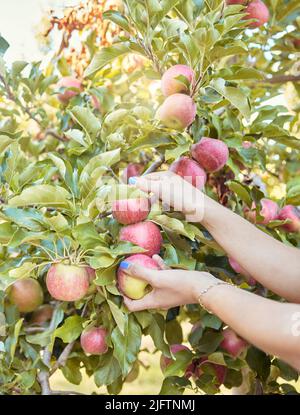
<point>63,357</point>
<point>156,165</point>
<point>66,393</point>
<point>281,79</point>
<point>54,134</point>
<point>34,329</point>
<point>104,214</point>
<point>44,374</point>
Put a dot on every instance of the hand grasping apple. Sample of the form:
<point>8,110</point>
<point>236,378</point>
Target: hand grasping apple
<point>173,191</point>
<point>170,288</point>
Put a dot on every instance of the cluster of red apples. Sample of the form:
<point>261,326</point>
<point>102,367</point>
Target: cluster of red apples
<point>231,344</point>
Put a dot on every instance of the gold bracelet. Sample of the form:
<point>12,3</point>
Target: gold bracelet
<point>207,289</point>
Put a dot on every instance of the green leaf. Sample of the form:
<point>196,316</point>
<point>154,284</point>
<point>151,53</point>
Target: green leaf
<point>179,365</point>
<point>286,371</point>
<point>118,315</point>
<point>118,18</point>
<point>5,141</point>
<point>87,236</point>
<point>106,56</point>
<point>259,362</point>
<point>44,195</point>
<point>4,45</point>
<point>87,120</point>
<point>156,330</point>
<point>17,68</point>
<point>151,140</point>
<point>234,95</point>
<point>70,330</point>
<point>15,337</point>
<point>173,385</point>
<point>71,371</point>
<point>241,190</point>
<point>177,226</point>
<point>95,168</point>
<point>209,342</point>
<point>127,346</point>
<point>109,371</point>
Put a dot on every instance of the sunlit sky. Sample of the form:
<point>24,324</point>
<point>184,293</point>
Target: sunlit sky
<point>18,22</point>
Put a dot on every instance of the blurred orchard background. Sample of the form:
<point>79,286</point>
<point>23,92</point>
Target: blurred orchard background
<point>247,96</point>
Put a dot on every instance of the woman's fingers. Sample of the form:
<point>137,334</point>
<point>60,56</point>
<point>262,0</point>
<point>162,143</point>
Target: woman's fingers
<point>137,271</point>
<point>160,262</point>
<point>145,303</point>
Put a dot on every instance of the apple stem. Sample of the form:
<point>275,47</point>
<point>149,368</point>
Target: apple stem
<point>154,166</point>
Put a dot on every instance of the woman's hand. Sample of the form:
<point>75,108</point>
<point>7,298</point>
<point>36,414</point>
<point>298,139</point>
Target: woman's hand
<point>170,288</point>
<point>173,191</point>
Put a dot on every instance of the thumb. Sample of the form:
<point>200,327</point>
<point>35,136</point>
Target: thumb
<point>145,303</point>
<point>137,271</point>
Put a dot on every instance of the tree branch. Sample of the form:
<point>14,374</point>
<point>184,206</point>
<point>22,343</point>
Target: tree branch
<point>54,134</point>
<point>62,359</point>
<point>281,79</point>
<point>44,374</point>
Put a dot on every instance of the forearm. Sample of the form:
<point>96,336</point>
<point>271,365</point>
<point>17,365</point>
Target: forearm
<point>269,261</point>
<point>271,326</point>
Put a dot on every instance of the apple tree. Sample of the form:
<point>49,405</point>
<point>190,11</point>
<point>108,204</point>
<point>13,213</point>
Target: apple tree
<point>135,92</point>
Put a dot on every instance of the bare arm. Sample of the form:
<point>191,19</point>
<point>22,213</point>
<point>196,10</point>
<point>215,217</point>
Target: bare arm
<point>273,264</point>
<point>271,326</point>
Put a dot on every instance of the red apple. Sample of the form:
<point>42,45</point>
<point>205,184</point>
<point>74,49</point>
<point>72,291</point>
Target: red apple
<point>132,170</point>
<point>170,85</point>
<point>93,340</point>
<point>269,212</point>
<point>259,11</point>
<point>144,234</point>
<point>210,153</point>
<point>128,211</point>
<point>91,273</point>
<point>292,213</point>
<point>42,314</point>
<point>67,282</point>
<point>177,112</point>
<point>133,287</point>
<point>190,171</point>
<point>233,344</point>
<point>72,87</point>
<point>220,370</point>
<point>237,268</point>
<point>26,294</point>
<point>247,144</point>
<point>296,43</point>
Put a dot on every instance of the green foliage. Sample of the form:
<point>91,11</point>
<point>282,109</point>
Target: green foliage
<point>58,180</point>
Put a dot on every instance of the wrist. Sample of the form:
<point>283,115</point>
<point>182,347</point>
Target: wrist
<point>215,296</point>
<point>203,282</point>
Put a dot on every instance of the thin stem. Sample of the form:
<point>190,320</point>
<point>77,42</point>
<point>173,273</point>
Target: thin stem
<point>154,166</point>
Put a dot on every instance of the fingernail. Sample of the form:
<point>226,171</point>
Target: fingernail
<point>124,264</point>
<point>132,180</point>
